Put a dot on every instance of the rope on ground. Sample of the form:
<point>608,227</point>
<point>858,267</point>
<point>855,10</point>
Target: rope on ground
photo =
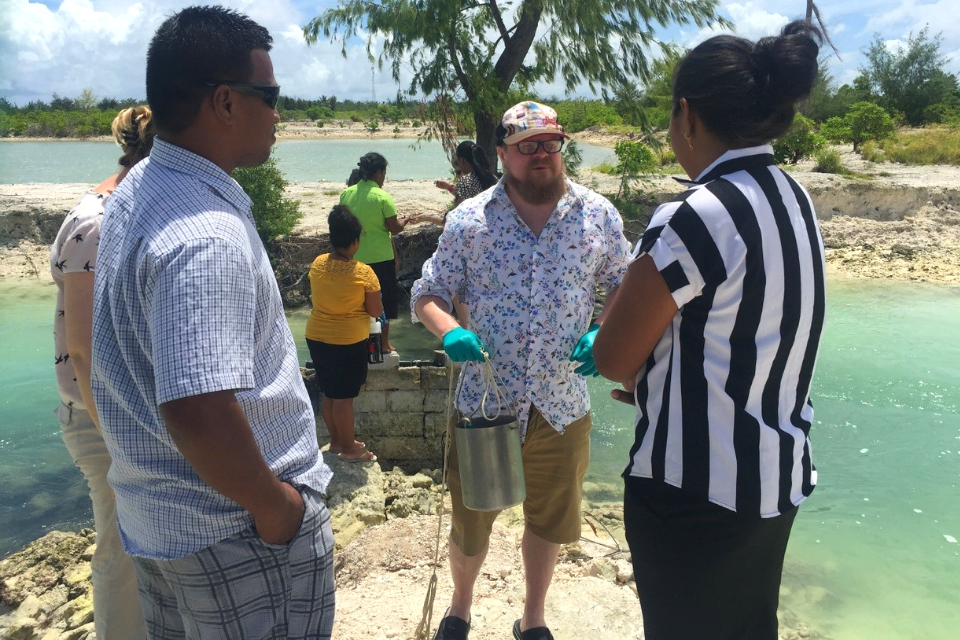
<point>426,620</point>
<point>615,547</point>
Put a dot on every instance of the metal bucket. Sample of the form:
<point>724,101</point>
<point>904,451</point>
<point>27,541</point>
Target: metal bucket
<point>491,465</point>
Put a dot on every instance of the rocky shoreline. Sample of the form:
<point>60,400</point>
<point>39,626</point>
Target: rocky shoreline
<point>898,222</point>
<point>386,530</point>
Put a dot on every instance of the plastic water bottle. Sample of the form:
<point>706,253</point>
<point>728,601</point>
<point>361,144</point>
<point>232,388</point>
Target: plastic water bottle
<point>374,346</point>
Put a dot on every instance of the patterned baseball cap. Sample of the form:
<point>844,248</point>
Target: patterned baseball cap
<point>527,119</point>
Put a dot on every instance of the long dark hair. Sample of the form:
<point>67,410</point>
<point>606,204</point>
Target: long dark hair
<point>474,155</point>
<point>745,92</point>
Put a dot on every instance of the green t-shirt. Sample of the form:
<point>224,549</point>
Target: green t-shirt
<point>372,205</point>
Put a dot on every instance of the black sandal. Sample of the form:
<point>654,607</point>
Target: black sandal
<point>452,628</point>
<point>536,633</point>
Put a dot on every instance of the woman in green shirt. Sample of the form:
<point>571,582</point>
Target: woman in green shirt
<point>378,215</point>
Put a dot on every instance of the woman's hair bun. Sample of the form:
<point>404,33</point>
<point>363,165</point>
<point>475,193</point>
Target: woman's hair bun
<point>786,65</point>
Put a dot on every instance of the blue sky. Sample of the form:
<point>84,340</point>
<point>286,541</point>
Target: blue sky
<point>66,46</point>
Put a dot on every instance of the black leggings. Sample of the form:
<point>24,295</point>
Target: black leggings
<point>703,571</point>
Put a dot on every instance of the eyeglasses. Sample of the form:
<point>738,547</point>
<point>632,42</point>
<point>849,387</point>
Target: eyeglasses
<point>269,93</point>
<point>530,147</point>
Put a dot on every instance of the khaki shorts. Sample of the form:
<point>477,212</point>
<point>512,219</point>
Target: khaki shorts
<point>554,466</point>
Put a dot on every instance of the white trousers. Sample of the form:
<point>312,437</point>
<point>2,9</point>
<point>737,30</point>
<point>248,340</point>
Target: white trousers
<point>116,602</point>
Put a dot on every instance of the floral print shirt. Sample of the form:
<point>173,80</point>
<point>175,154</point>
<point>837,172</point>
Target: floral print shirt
<point>530,298</point>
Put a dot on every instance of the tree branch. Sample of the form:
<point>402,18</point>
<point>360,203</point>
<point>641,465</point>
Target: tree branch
<point>501,27</point>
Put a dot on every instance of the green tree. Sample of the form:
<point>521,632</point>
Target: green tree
<point>484,49</point>
<point>273,214</point>
<point>911,79</point>
<point>798,142</point>
<point>868,121</point>
<point>656,98</point>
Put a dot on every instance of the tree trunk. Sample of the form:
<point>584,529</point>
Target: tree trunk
<point>486,136</point>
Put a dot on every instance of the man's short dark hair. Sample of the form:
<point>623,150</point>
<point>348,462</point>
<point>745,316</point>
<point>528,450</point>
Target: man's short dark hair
<point>197,45</point>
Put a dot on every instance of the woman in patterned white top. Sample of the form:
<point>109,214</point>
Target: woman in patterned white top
<point>73,257</point>
<point>716,329</point>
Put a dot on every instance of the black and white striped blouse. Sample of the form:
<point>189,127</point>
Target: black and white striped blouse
<point>724,403</point>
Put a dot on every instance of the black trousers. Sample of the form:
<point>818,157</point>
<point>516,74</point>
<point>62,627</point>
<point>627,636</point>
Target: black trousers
<point>703,572</point>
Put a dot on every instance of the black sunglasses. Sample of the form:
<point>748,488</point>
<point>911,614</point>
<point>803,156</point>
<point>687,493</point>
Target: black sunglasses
<point>530,147</point>
<point>269,93</point>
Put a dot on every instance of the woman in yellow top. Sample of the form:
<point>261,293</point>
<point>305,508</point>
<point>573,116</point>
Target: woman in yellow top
<point>345,294</point>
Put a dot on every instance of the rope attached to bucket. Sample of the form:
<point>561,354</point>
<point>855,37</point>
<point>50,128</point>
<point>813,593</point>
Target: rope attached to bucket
<point>491,379</point>
<point>426,619</point>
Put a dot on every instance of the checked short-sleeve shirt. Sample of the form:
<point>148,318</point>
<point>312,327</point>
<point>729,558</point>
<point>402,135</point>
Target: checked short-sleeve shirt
<point>185,304</point>
<point>530,298</point>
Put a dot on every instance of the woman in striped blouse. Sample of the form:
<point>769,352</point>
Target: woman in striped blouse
<point>716,329</point>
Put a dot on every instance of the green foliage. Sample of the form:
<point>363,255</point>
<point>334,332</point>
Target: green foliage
<point>827,102</point>
<point>603,44</point>
<point>930,145</point>
<point>798,142</point>
<point>273,214</point>
<point>634,158</point>
<point>828,161</point>
<point>872,152</point>
<point>372,125</point>
<point>56,123</point>
<point>657,96</point>
<point>836,129</point>
<point>572,158</point>
<point>320,124</point>
<point>868,121</point>
<point>580,114</point>
<point>911,79</point>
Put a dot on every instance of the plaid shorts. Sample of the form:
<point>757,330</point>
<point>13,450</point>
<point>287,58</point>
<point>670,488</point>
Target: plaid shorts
<point>243,587</point>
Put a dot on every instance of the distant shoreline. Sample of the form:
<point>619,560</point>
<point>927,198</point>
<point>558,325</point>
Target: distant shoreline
<point>349,131</point>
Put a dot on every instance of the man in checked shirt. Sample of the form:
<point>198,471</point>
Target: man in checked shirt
<point>216,468</point>
<point>526,257</point>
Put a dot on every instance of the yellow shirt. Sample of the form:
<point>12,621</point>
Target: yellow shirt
<point>338,289</point>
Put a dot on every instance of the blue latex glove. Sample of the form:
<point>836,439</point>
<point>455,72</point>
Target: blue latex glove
<point>463,346</point>
<point>583,352</point>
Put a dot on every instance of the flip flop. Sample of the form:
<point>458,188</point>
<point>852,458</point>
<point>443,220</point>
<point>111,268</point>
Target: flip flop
<point>366,456</point>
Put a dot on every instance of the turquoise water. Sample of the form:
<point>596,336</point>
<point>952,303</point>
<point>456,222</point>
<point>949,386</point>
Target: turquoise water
<point>299,160</point>
<point>869,556</point>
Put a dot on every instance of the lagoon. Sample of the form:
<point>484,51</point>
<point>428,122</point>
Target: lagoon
<point>299,160</point>
<point>873,553</point>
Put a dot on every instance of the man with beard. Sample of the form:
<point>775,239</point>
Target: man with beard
<point>526,258</point>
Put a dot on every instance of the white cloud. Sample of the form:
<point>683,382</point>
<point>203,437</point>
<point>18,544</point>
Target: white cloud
<point>101,44</point>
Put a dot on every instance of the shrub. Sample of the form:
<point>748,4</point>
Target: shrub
<point>868,121</point>
<point>798,142</point>
<point>872,152</point>
<point>634,158</point>
<point>372,125</point>
<point>828,161</point>
<point>580,114</point>
<point>273,214</point>
<point>835,129</point>
<point>320,124</point>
